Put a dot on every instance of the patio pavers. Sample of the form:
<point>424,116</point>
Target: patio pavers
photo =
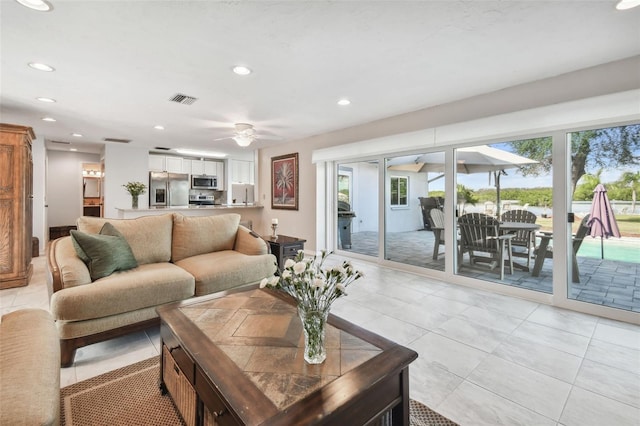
<point>602,281</point>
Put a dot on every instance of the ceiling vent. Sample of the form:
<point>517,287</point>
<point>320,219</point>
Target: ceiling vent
<point>162,148</point>
<point>116,140</point>
<point>183,99</point>
<point>61,142</point>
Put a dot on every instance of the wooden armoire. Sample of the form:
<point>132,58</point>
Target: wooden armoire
<point>16,205</point>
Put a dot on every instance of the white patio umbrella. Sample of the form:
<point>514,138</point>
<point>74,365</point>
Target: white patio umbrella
<point>475,159</point>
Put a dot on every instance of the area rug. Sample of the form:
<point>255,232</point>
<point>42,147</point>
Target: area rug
<point>131,396</point>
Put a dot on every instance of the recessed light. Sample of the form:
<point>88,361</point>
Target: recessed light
<point>48,119</point>
<point>241,70</point>
<point>158,127</point>
<point>76,135</point>
<point>48,100</point>
<point>627,4</point>
<point>344,102</point>
<point>41,67</point>
<point>39,5</point>
<point>73,149</point>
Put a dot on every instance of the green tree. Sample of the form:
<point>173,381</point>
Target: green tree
<point>631,180</point>
<point>465,196</point>
<point>613,147</point>
<point>584,190</point>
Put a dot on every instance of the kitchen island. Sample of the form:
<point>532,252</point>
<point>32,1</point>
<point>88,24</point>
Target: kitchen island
<point>247,212</point>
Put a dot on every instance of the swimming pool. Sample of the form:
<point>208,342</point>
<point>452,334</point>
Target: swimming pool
<point>626,249</point>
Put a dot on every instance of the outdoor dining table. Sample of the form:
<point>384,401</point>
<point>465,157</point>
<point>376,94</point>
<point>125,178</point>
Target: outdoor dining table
<point>511,227</point>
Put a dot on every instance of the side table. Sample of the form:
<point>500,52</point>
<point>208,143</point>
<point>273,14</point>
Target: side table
<point>284,247</point>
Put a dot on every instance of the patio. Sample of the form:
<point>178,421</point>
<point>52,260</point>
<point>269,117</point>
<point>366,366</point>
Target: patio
<point>603,282</point>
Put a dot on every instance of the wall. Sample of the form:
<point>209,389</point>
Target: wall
<point>40,228</point>
<point>513,103</point>
<point>122,164</point>
<point>64,186</point>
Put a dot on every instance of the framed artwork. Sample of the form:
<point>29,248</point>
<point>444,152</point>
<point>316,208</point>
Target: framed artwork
<point>284,182</point>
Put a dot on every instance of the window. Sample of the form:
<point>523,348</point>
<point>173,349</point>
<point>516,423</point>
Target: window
<point>399,191</point>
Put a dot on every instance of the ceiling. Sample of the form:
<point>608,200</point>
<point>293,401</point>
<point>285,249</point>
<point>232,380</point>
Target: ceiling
<point>117,63</point>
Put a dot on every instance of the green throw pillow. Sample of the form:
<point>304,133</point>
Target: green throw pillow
<point>104,253</point>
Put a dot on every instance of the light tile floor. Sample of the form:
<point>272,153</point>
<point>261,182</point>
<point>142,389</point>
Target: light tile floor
<point>484,359</point>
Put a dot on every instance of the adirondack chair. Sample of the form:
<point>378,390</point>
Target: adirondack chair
<point>437,226</point>
<point>480,237</point>
<point>524,238</point>
<point>545,251</point>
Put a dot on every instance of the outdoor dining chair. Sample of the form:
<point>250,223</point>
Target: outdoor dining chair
<point>437,226</point>
<point>480,237</point>
<point>545,250</point>
<point>523,239</point>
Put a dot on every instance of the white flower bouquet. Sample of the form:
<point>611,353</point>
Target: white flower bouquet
<point>310,284</point>
<point>314,288</point>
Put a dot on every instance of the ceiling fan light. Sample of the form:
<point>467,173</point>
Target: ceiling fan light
<point>242,140</point>
<point>627,4</point>
<point>39,5</point>
<point>41,67</point>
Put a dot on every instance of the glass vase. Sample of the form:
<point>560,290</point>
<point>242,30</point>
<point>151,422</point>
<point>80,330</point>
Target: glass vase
<point>134,201</point>
<point>313,324</point>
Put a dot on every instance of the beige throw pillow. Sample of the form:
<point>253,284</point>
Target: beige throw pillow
<point>148,236</point>
<point>199,235</point>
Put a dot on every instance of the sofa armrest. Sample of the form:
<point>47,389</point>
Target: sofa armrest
<point>250,243</point>
<point>29,369</point>
<point>65,268</point>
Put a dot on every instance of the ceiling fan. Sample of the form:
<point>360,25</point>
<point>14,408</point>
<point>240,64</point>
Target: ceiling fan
<point>244,134</point>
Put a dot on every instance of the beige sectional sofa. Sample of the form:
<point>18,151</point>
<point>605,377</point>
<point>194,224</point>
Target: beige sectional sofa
<point>177,257</point>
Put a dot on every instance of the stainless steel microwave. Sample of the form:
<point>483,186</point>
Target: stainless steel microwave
<point>204,182</point>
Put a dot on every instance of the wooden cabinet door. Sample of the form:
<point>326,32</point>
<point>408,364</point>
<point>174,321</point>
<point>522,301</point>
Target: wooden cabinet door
<point>16,205</point>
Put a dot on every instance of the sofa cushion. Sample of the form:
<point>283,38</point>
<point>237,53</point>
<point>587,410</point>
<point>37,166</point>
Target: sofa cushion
<point>147,285</point>
<point>148,236</point>
<point>227,269</point>
<point>103,253</point>
<point>193,236</point>
<point>29,369</point>
<point>248,242</point>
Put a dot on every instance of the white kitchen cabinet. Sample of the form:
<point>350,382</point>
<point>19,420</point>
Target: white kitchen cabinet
<point>165,163</point>
<point>197,167</point>
<point>242,171</point>
<point>186,166</point>
<point>174,164</point>
<point>157,163</point>
<point>220,174</point>
<point>211,168</point>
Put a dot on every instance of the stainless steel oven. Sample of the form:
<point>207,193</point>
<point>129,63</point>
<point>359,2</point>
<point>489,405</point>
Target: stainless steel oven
<point>204,182</point>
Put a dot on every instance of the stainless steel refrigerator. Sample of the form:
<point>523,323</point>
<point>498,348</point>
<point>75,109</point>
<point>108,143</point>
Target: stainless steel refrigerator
<point>168,189</point>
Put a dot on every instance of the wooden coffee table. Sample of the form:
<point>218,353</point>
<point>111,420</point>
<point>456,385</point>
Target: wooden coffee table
<point>236,358</point>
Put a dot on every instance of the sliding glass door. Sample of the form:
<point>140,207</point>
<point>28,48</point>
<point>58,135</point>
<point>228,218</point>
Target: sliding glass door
<point>357,207</point>
<point>504,203</point>
<point>414,210</point>
<point>604,246</point>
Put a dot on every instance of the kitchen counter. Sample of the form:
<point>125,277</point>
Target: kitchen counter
<point>247,212</point>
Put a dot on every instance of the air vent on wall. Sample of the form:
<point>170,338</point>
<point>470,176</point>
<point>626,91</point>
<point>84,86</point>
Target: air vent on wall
<point>183,99</point>
<point>116,140</point>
